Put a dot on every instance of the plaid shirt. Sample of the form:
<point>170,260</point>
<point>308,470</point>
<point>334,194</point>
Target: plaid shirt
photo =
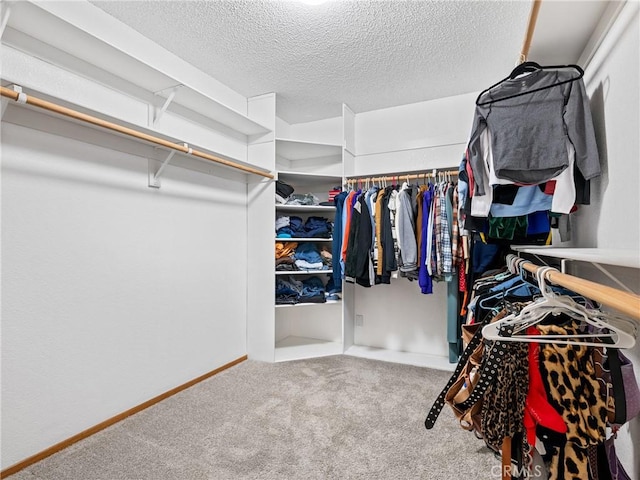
<point>456,246</point>
<point>445,240</point>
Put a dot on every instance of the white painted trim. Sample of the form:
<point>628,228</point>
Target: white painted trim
<point>406,358</point>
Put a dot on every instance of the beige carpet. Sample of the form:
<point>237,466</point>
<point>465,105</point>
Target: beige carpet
<point>329,418</point>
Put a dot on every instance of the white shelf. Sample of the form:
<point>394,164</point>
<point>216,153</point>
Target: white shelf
<point>311,239</point>
<point>306,208</point>
<point>301,272</point>
<point>303,178</point>
<point>293,150</point>
<point>606,256</point>
<point>124,61</point>
<point>298,348</point>
<point>407,358</point>
<point>298,305</point>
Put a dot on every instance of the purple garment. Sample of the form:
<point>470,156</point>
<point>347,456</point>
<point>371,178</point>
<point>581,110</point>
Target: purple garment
<point>424,280</point>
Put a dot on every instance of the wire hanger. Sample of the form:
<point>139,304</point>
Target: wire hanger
<point>620,332</point>
<point>529,67</point>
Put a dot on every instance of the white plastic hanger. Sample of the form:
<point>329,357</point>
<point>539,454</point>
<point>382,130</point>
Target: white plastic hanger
<point>622,332</point>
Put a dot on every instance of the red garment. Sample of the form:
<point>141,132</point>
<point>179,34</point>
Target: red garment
<point>538,410</point>
<point>462,276</point>
<point>347,225</point>
<point>469,174</point>
<point>550,187</point>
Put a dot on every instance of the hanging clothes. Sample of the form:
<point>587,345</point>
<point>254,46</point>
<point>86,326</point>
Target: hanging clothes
<point>529,133</point>
<point>338,234</point>
<point>359,264</point>
<point>535,398</point>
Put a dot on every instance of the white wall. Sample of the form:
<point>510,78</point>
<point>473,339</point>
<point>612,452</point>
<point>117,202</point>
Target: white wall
<point>112,292</point>
<point>613,220</point>
<point>419,136</point>
<point>321,131</point>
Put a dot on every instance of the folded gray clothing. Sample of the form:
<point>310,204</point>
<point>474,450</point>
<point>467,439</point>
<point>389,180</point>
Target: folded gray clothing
<point>282,222</point>
<point>300,199</point>
<point>304,265</point>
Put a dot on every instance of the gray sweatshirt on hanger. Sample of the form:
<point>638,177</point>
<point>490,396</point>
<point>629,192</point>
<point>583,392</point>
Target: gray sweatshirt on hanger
<point>528,133</point>
<point>407,232</point>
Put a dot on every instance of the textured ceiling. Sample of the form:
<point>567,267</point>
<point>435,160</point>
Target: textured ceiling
<point>367,54</point>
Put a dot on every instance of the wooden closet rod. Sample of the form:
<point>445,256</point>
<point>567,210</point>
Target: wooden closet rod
<point>624,302</point>
<point>531,26</point>
<point>410,176</point>
<point>52,107</point>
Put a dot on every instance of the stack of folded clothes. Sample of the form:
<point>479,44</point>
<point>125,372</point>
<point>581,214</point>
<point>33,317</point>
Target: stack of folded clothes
<point>290,291</point>
<point>303,199</point>
<point>307,257</point>
<point>291,256</point>
<point>284,256</point>
<point>314,227</point>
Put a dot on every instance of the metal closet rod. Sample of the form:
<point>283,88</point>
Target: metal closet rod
<point>22,98</point>
<point>400,176</point>
<point>624,302</point>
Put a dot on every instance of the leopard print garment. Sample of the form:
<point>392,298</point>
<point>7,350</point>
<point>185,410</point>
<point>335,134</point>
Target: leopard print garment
<point>570,380</point>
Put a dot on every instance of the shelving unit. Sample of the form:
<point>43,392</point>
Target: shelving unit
<point>594,256</point>
<point>144,71</point>
<point>305,208</point>
<point>311,239</point>
<point>303,272</point>
<point>298,305</point>
<point>605,256</point>
<point>298,348</point>
<point>308,159</point>
<point>316,330</point>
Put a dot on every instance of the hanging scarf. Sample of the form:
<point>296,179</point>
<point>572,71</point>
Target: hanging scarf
<point>572,388</point>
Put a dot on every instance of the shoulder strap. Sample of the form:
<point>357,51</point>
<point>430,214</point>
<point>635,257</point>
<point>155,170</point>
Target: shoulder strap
<point>618,386</point>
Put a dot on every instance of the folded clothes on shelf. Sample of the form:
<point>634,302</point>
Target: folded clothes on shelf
<point>303,199</point>
<point>285,249</point>
<point>291,291</point>
<point>314,227</point>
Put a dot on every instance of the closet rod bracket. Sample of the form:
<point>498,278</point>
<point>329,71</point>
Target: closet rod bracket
<point>154,175</point>
<point>22,98</point>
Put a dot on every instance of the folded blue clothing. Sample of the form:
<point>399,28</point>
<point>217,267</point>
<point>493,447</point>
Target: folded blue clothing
<point>538,222</point>
<point>313,283</point>
<point>308,252</point>
<point>291,291</point>
<point>288,287</point>
<point>317,227</point>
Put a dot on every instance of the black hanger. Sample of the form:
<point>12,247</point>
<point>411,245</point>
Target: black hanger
<point>525,68</point>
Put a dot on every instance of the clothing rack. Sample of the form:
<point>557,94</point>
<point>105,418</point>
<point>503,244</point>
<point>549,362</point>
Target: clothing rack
<point>625,302</point>
<point>22,98</point>
<point>404,176</point>
<point>531,26</point>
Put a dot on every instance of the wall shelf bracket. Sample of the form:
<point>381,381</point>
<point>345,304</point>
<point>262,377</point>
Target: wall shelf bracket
<point>154,113</point>
<point>5,19</point>
<point>607,273</point>
<point>154,176</point>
